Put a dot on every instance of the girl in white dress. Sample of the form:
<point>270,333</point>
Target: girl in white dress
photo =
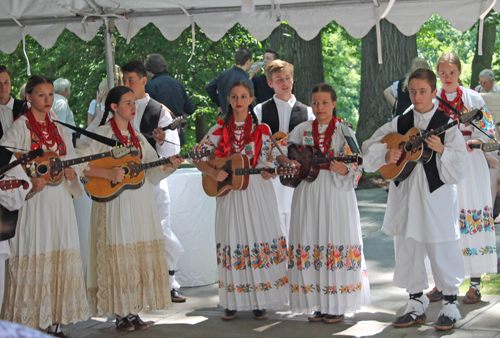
<point>44,277</point>
<point>326,262</point>
<point>251,248</point>
<point>127,268</point>
<point>477,231</point>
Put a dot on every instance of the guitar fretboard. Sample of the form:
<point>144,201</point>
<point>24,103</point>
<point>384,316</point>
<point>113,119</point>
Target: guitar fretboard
<point>345,159</point>
<point>252,171</point>
<point>149,165</point>
<point>84,159</point>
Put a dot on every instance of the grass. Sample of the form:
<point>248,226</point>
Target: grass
<point>490,284</point>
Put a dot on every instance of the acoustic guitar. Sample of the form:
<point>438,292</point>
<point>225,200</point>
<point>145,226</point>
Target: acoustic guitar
<point>51,168</point>
<point>8,219</point>
<point>101,189</point>
<point>22,159</point>
<point>238,169</point>
<point>311,159</point>
<point>414,149</point>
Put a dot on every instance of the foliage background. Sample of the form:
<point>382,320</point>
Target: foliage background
<point>82,62</point>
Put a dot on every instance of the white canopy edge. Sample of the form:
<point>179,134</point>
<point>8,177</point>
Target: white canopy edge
<point>306,17</point>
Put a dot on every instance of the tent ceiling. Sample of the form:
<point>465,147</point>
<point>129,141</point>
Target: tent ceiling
<point>44,20</point>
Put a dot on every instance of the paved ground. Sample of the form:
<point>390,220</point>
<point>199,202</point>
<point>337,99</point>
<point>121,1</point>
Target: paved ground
<point>200,315</point>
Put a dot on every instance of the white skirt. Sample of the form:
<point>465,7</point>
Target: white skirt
<point>477,231</point>
<point>251,250</point>
<point>327,268</point>
<point>44,283</point>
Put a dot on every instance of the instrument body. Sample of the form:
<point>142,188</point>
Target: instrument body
<point>311,159</point>
<point>8,219</point>
<point>414,149</point>
<point>101,189</point>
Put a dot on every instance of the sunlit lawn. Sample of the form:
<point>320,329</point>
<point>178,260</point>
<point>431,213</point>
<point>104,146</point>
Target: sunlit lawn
<point>490,284</point>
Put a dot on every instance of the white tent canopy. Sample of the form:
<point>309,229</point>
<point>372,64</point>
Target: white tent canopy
<point>44,20</point>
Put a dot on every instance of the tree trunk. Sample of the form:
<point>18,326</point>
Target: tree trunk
<point>201,127</point>
<point>484,61</point>
<point>397,52</point>
<point>306,56</point>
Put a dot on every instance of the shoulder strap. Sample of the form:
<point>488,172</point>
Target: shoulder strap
<point>351,142</point>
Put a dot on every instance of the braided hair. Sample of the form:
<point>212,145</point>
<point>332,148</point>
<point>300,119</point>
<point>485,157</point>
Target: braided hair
<point>230,111</point>
<point>325,88</point>
<point>114,96</point>
<point>33,81</point>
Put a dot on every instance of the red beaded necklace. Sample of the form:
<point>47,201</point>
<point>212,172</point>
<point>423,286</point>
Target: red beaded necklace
<point>50,137</point>
<point>237,144</point>
<point>123,139</point>
<point>326,142</point>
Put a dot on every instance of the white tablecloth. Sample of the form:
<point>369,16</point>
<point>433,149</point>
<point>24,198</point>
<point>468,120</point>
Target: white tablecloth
<point>192,220</point>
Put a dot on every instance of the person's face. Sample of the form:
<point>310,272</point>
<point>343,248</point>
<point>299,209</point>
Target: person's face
<point>448,74</point>
<point>486,83</point>
<point>240,99</point>
<point>125,109</point>
<point>322,106</point>
<point>268,57</point>
<point>132,81</point>
<point>421,95</point>
<point>41,98</point>
<point>281,82</point>
<point>5,88</point>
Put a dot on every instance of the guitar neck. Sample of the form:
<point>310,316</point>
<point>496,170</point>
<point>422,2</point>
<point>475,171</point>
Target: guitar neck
<point>252,171</point>
<point>74,161</point>
<point>439,130</point>
<point>9,166</point>
<point>149,165</point>
<point>345,159</point>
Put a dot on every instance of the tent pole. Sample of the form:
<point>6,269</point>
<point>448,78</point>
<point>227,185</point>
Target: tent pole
<point>108,53</point>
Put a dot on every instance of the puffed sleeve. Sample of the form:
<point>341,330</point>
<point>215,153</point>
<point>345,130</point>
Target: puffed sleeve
<point>451,164</point>
<point>374,150</point>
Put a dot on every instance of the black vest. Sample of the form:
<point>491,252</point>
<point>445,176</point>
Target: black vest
<point>150,120</point>
<point>403,98</point>
<point>271,118</point>
<point>405,123</point>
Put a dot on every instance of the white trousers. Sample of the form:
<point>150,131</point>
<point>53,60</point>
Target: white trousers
<point>172,243</point>
<point>446,261</point>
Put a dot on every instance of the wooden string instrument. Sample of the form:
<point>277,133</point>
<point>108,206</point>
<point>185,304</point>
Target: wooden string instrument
<point>486,147</point>
<point>311,159</point>
<point>22,159</point>
<point>414,149</point>
<point>101,189</point>
<point>51,168</point>
<point>238,168</point>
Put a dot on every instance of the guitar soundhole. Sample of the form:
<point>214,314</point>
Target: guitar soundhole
<point>127,170</point>
<point>42,169</point>
<point>408,147</point>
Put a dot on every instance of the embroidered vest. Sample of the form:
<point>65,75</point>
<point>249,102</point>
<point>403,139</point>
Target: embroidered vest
<point>271,118</point>
<point>405,123</point>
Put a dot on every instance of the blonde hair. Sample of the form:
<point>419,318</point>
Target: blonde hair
<point>416,63</point>
<point>277,66</point>
<point>451,59</point>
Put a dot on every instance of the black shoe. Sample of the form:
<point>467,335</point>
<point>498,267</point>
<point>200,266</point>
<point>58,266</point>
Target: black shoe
<point>444,323</point>
<point>229,314</point>
<point>177,297</point>
<point>317,316</point>
<point>124,324</point>
<point>434,295</point>
<point>59,334</point>
<point>330,319</point>
<point>259,314</point>
<point>407,320</point>
<point>137,322</point>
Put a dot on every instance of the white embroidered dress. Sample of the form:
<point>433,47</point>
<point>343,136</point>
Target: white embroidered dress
<point>127,268</point>
<point>44,278</point>
<point>477,231</point>
<point>326,263</point>
<point>251,249</point>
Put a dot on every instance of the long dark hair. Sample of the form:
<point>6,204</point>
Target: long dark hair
<point>33,81</point>
<point>114,96</point>
<point>325,88</point>
<point>230,111</point>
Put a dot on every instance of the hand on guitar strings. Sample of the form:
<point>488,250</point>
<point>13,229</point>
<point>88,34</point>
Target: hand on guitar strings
<point>434,142</point>
<point>115,174</point>
<point>70,173</point>
<point>175,162</point>
<point>284,160</point>
<point>218,175</point>
<point>469,142</point>
<point>338,167</point>
<point>38,184</point>
<point>159,135</point>
<point>265,175</point>
<point>393,155</point>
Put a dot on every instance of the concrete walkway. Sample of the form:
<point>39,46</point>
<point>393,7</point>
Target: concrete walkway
<point>200,315</point>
